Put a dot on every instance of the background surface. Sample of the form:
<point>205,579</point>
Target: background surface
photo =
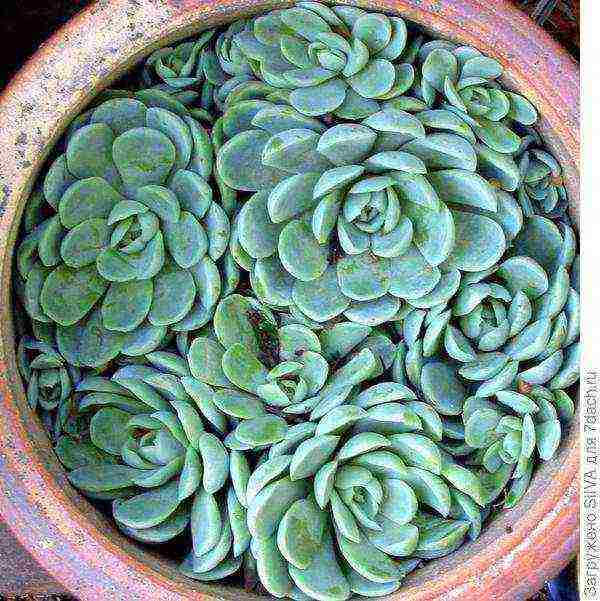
<point>24,25</point>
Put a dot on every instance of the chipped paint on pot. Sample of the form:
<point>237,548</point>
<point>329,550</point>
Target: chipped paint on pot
<point>79,546</point>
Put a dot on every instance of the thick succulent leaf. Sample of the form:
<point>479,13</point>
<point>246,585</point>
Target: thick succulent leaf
<point>323,579</point>
<point>271,503</point>
<point>320,99</point>
<point>412,276</point>
<point>336,178</point>
<point>293,151</point>
<point>522,273</point>
<point>149,508</point>
<point>256,233</point>
<point>292,197</point>
<point>226,568</point>
<point>400,504</point>
<point>300,253</point>
<point>204,357</point>
<point>479,242</point>
<point>320,299</point>
<point>418,451</point>
<point>347,144</point>
<point>103,477</point>
<point>143,156</point>
<point>500,381</point>
<point>238,320</point>
<point>265,473</point>
<point>375,80</point>
<point>311,455</point>
<point>518,402</point>
<point>442,388</point>
<point>191,474</point>
<point>126,305</point>
<point>364,277</point>
<point>440,538</point>
<point>497,136</point>
<point>271,566</point>
<point>88,343</point>
<point>395,121</point>
<point>540,239</point>
<point>167,308</point>
<point>498,167</point>
<point>463,479</point>
<point>530,342</point>
<point>215,462</point>
<point>569,372</point>
<point>243,369</point>
<point>300,533</point>
<point>480,428</point>
<point>434,231</point>
<point>239,163</point>
<point>108,429</point>
<point>68,294</point>
<point>443,151</point>
<point>238,404</point>
<point>366,559</point>
<point>262,430</point>
<point>547,438</point>
<point>206,523</point>
<point>90,153</point>
<point>545,370</point>
<point>464,187</point>
<point>442,293</point>
<point>173,526</point>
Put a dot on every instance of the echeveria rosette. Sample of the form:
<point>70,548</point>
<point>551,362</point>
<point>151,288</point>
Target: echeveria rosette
<point>520,316</point>
<point>335,59</point>
<point>513,429</point>
<point>50,382</point>
<point>542,190</point>
<point>354,218</point>
<point>238,73</point>
<point>510,338</point>
<point>134,222</point>
<point>50,379</point>
<point>268,376</point>
<point>465,82</point>
<point>174,69</point>
<point>154,447</point>
<point>342,511</point>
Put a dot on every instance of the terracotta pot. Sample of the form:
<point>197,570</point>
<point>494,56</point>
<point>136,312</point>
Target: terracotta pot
<point>80,547</point>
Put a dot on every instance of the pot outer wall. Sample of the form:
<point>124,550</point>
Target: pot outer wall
<point>80,547</point>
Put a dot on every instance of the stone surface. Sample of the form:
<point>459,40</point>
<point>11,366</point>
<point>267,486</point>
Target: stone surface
<point>21,575</point>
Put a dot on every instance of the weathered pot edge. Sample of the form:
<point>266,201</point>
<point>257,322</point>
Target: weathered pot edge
<point>514,565</point>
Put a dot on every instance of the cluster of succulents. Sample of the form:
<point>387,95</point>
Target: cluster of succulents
<point>307,303</point>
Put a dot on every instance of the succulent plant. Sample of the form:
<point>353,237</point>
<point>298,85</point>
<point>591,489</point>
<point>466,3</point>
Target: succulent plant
<point>522,313</point>
<point>327,59</point>
<point>542,190</point>
<point>153,447</point>
<point>467,83</point>
<point>343,514</point>
<point>269,376</point>
<point>178,68</point>
<point>322,340</point>
<point>356,218</point>
<point>505,439</point>
<point>133,218</point>
<point>48,376</point>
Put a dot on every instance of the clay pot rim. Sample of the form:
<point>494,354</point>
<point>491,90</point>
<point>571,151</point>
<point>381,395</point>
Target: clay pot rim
<point>519,550</point>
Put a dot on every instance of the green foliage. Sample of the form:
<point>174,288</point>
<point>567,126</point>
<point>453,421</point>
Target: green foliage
<point>320,342</point>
